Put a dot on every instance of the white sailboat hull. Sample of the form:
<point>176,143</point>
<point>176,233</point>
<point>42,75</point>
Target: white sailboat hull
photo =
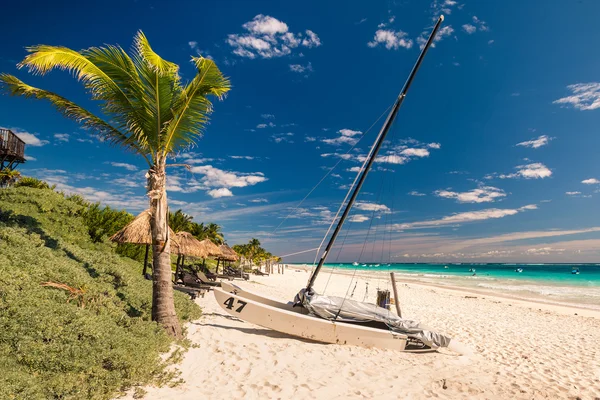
<point>232,288</point>
<point>308,327</point>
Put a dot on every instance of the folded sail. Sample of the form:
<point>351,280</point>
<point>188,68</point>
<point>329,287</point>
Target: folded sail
<point>345,310</point>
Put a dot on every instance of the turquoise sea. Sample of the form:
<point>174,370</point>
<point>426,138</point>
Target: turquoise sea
<point>554,283</point>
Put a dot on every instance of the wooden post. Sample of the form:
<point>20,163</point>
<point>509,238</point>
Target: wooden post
<point>217,269</point>
<point>396,299</point>
<point>145,261</point>
<point>177,267</point>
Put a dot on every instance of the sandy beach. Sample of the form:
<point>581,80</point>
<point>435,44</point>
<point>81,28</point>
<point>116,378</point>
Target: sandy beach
<point>521,350</point>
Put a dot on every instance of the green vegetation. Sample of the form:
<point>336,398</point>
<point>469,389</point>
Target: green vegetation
<point>145,108</point>
<point>75,317</point>
<point>27,181</point>
<point>181,222</point>
<point>254,253</point>
<point>8,177</point>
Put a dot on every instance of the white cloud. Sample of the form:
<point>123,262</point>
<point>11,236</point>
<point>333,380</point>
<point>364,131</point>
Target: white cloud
<point>415,193</point>
<point>346,136</point>
<point>128,167</point>
<point>217,178</point>
<point>267,116</point>
<point>591,181</point>
<point>442,33</point>
<point>222,192</point>
<point>529,171</point>
<point>30,139</point>
<point>483,194</point>
<point>415,152</point>
<point>261,200</point>
<point>242,157</point>
<point>368,206</point>
<point>310,139</point>
<point>268,37</point>
<point>282,137</point>
<point>469,28</point>
<point>311,39</point>
<point>586,96</point>
<point>490,42</point>
<point>269,125</point>
<point>572,193</point>
<point>299,68</point>
<point>61,137</point>
<point>434,145</point>
<point>358,218</point>
<point>536,143</point>
<point>465,217</point>
<point>30,158</point>
<point>391,39</point>
<point>544,250</point>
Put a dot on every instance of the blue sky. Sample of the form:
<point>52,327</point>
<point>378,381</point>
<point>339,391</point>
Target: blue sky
<point>493,156</point>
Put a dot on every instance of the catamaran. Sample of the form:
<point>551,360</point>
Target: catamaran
<point>332,319</point>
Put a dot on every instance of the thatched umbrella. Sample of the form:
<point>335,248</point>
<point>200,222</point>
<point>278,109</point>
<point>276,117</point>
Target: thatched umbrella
<point>188,245</point>
<point>138,231</point>
<point>227,254</point>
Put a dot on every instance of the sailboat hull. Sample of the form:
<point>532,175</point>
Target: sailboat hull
<point>235,289</point>
<point>308,327</point>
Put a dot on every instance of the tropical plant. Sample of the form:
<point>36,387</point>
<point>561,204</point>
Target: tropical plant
<point>179,221</point>
<point>213,233</point>
<point>147,111</point>
<point>35,183</point>
<point>8,177</point>
<point>104,222</point>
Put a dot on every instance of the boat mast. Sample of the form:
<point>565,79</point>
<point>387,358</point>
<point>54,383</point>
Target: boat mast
<point>376,147</point>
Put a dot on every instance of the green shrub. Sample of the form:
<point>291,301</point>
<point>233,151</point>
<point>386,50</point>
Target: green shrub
<point>55,344</point>
<point>35,183</point>
<point>104,222</point>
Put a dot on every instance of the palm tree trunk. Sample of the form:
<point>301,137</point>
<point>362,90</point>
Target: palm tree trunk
<point>163,306</point>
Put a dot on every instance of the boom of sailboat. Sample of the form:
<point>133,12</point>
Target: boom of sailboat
<point>341,320</point>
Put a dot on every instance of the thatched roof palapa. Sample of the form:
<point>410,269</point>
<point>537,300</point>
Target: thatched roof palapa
<point>188,245</point>
<point>138,231</point>
<point>227,253</point>
<point>212,249</point>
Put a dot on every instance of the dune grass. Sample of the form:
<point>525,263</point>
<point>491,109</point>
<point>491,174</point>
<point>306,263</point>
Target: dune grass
<point>74,315</point>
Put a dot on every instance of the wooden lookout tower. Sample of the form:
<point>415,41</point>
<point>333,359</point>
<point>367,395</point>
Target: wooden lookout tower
<point>12,150</point>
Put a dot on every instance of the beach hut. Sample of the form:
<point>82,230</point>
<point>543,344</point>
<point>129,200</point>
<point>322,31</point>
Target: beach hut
<point>188,245</point>
<point>138,231</point>
<point>227,254</point>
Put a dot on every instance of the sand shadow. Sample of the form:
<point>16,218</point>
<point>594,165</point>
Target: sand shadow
<point>263,332</point>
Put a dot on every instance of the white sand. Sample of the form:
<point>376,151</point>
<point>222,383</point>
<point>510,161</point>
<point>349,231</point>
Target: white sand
<point>523,350</point>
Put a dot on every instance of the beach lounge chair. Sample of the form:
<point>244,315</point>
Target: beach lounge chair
<point>236,273</point>
<point>259,272</point>
<point>191,291</point>
<point>192,281</point>
<point>204,279</point>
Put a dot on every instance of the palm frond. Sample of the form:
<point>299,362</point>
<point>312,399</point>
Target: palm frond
<point>190,112</point>
<point>158,64</point>
<point>162,86</point>
<point>67,108</point>
<point>119,67</point>
<point>116,101</point>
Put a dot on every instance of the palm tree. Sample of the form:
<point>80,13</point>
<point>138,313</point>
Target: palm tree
<point>213,232</point>
<point>147,110</point>
<point>179,221</point>
<point>9,177</point>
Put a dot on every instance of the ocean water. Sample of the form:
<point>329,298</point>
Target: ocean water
<point>553,283</point>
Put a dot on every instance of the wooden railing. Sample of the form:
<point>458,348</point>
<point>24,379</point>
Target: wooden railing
<point>11,145</point>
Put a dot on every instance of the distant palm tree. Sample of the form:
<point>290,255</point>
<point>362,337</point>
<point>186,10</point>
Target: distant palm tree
<point>214,234</point>
<point>180,222</point>
<point>147,110</point>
